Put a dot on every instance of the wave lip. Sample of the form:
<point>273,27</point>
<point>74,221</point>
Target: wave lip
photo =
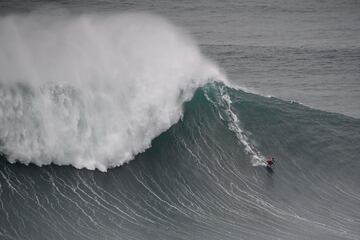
<point>92,91</point>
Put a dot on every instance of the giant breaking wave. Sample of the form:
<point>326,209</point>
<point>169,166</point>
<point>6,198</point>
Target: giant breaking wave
<point>92,91</point>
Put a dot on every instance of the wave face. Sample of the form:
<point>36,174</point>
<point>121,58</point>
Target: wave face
<point>203,179</point>
<point>92,91</point>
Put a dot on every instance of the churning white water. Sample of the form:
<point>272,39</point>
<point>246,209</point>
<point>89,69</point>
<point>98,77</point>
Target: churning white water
<point>92,91</point>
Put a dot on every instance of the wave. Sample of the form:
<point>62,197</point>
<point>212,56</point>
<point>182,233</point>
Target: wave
<point>218,95</point>
<point>93,91</point>
<point>197,180</point>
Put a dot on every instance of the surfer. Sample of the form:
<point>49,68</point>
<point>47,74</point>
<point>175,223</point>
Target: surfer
<point>270,161</point>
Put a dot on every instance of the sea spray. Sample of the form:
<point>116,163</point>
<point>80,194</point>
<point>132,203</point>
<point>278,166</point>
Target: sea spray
<point>92,91</point>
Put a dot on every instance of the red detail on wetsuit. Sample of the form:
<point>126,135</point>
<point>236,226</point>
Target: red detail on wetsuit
<point>269,161</point>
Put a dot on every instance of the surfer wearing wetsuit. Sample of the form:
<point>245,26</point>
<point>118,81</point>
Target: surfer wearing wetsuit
<point>270,161</point>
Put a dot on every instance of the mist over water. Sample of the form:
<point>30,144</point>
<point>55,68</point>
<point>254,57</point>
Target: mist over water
<point>92,91</point>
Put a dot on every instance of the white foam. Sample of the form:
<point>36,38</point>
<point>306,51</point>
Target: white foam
<point>92,91</point>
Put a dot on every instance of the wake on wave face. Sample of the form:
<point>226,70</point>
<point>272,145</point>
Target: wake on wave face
<point>92,91</point>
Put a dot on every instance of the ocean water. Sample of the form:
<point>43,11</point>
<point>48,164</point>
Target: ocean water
<point>304,51</point>
<point>153,119</point>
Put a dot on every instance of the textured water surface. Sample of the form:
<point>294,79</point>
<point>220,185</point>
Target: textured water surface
<point>153,120</point>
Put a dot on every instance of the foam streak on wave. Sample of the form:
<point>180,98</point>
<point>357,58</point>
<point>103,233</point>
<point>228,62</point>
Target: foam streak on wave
<point>92,91</point>
<point>223,104</point>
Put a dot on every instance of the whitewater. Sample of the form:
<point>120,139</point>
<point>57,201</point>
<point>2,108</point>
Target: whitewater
<point>87,86</point>
<point>91,90</point>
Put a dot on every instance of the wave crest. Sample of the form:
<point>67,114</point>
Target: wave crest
<point>92,91</point>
